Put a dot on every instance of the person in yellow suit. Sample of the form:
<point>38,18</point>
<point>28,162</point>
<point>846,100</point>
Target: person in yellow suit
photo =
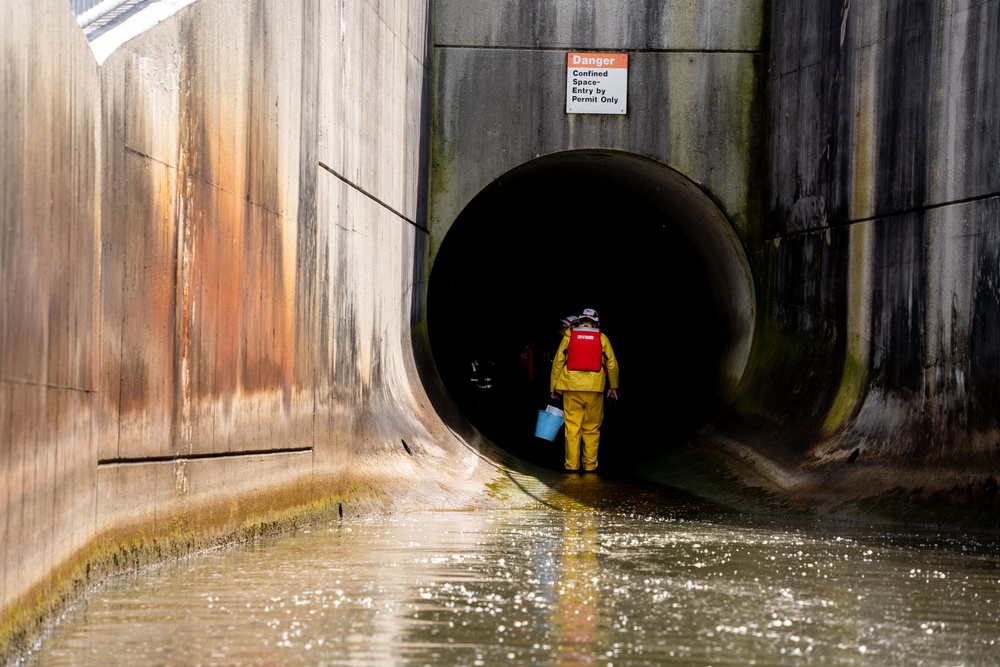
<point>584,363</point>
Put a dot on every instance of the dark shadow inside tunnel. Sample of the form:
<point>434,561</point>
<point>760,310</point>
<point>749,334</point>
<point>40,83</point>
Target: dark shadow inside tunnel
<point>625,236</point>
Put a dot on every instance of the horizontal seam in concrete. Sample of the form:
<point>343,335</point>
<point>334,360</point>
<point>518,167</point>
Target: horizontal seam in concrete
<point>481,47</point>
<point>201,457</point>
<point>374,198</point>
<point>886,216</point>
<point>195,176</point>
<point>46,385</point>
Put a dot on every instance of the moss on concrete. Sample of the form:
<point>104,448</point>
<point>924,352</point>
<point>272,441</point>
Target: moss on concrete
<point>232,522</point>
<point>783,363</point>
<point>849,396</point>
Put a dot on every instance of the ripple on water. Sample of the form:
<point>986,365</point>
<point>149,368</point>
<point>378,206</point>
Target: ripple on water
<point>581,587</point>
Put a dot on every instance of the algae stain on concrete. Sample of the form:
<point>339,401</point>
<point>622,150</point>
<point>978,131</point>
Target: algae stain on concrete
<point>849,397</point>
<point>855,376</point>
<point>133,548</point>
<point>440,180</point>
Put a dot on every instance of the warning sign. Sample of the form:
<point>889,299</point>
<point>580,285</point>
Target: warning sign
<point>596,82</point>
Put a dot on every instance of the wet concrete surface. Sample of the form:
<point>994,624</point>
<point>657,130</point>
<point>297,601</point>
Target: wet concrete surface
<point>600,571</point>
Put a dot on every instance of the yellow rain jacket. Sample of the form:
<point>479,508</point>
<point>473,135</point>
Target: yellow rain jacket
<point>563,379</point>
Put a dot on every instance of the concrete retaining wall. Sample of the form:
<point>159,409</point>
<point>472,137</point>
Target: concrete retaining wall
<point>874,374</point>
<point>883,219</point>
<point>210,280</point>
<point>49,302</point>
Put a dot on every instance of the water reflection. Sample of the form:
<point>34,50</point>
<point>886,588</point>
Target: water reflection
<point>570,586</point>
<point>579,608</point>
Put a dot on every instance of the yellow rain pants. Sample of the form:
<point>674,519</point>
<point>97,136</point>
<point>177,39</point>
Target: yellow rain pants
<point>583,412</point>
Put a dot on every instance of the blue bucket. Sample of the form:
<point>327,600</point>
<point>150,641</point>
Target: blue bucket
<point>548,425</point>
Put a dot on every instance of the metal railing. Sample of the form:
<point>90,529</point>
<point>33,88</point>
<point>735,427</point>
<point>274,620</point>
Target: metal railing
<point>88,11</point>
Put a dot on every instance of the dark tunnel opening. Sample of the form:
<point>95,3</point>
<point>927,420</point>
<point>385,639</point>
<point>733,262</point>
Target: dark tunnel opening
<point>584,230</point>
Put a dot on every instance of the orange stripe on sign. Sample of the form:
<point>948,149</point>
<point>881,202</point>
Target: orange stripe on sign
<point>597,60</point>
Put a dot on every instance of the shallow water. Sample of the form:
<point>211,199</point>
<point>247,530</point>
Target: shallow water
<point>571,586</point>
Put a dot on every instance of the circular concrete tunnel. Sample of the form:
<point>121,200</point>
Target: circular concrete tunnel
<point>625,235</point>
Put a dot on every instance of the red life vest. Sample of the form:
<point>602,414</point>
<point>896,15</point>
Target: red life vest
<point>584,351</point>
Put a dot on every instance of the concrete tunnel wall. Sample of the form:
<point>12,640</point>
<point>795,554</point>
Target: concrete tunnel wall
<point>211,272</point>
<point>690,145</point>
<point>214,244</point>
<point>610,230</point>
<point>854,152</point>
